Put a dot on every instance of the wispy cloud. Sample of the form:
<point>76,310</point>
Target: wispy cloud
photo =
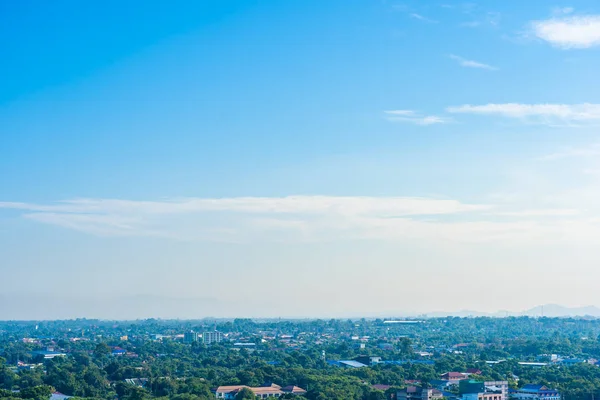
<point>549,114</point>
<point>414,117</point>
<point>572,32</point>
<point>422,18</point>
<point>471,63</point>
<point>557,212</point>
<point>249,218</point>
<point>561,11</point>
<point>589,151</point>
<point>308,218</point>
<point>490,19</point>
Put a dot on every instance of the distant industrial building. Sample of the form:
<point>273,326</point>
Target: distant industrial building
<point>212,337</point>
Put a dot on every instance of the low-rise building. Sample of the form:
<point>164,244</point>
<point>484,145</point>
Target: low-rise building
<point>418,393</point>
<point>534,392</point>
<point>453,376</point>
<point>261,392</point>
<point>347,363</point>
<point>47,354</point>
<point>469,389</point>
<point>368,360</point>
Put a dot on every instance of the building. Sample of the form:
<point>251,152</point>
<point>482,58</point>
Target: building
<point>368,360</point>
<point>47,354</point>
<point>453,376</point>
<point>469,389</point>
<point>249,347</point>
<point>475,371</point>
<point>418,393</point>
<point>262,392</point>
<point>190,337</point>
<point>212,337</point>
<point>533,364</point>
<point>293,390</point>
<point>117,351</point>
<point>59,396</point>
<point>347,363</point>
<point>534,392</point>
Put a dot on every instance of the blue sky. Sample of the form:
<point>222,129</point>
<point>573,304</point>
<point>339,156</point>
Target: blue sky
<point>172,149</point>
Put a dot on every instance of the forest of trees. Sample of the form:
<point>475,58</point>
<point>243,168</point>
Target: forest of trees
<point>171,369</point>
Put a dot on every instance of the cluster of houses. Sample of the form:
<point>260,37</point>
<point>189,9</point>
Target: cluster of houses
<point>460,386</point>
<point>457,385</point>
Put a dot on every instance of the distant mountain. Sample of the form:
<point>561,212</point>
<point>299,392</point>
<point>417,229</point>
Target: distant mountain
<point>555,310</point>
<point>462,314</point>
<point>546,310</point>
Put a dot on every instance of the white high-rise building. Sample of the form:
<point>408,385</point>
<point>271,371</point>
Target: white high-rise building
<point>212,337</point>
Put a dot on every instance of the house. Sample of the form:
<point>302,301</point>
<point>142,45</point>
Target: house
<point>418,393</point>
<point>475,371</point>
<point>117,351</point>
<point>453,376</point>
<point>261,392</point>
<point>293,390</point>
<point>59,396</point>
<point>534,392</point>
<point>139,382</point>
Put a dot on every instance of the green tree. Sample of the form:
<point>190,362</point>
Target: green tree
<point>245,394</point>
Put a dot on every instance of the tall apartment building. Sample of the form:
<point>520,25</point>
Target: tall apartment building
<point>190,337</point>
<point>212,337</point>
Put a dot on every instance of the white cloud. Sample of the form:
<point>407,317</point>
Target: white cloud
<point>557,212</point>
<point>471,63</point>
<point>414,117</point>
<point>562,10</point>
<point>576,32</point>
<point>268,205</point>
<point>308,218</point>
<point>590,151</point>
<point>551,114</point>
<point>422,18</point>
<point>491,19</point>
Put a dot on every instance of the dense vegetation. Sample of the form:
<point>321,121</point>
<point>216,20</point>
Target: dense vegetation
<point>290,353</point>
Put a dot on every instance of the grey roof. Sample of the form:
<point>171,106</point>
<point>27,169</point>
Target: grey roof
<point>352,363</point>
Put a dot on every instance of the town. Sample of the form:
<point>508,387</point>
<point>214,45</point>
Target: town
<point>518,358</point>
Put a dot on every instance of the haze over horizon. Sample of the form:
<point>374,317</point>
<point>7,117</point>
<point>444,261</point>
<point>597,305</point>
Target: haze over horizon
<point>297,158</point>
